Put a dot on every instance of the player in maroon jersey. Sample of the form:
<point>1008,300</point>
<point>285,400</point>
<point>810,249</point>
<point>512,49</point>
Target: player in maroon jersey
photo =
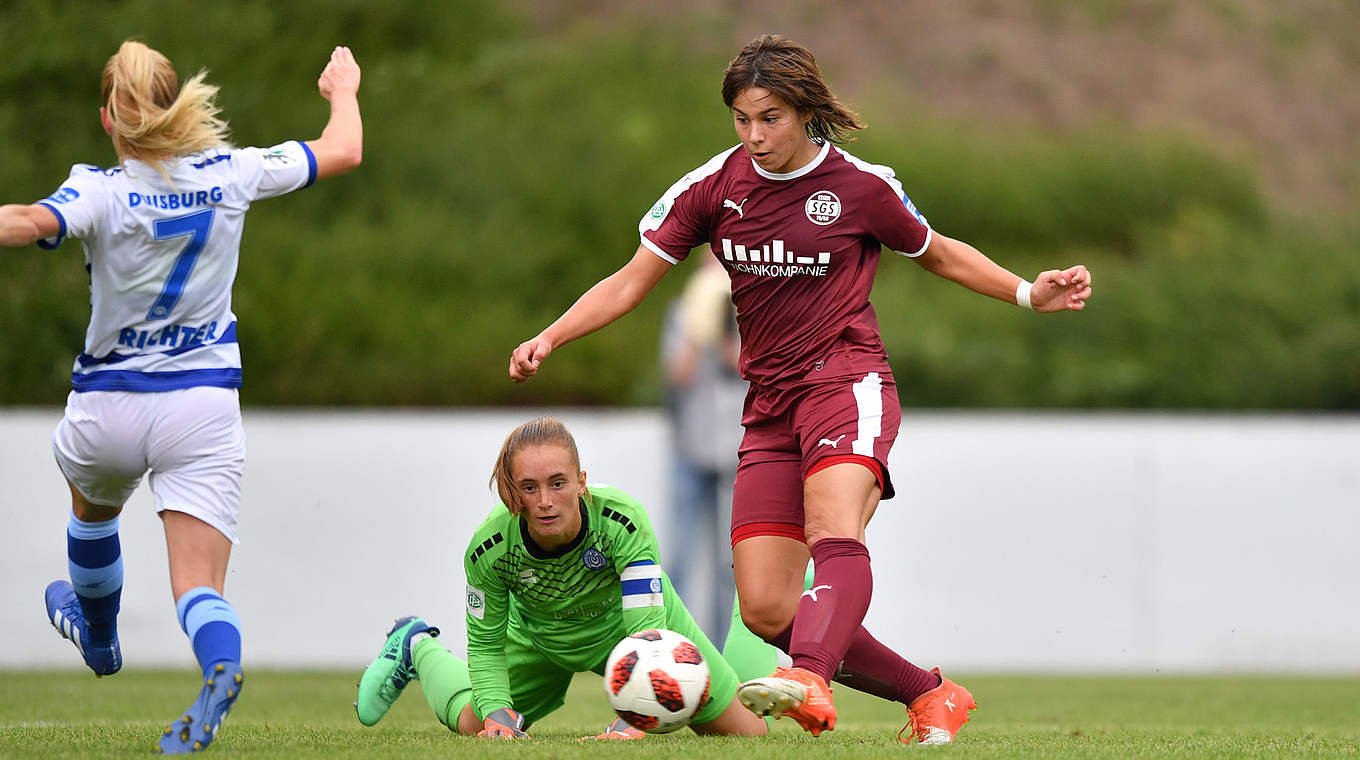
<point>799,224</point>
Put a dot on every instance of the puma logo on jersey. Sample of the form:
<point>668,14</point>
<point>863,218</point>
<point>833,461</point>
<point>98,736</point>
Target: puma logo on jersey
<point>812,592</point>
<point>736,206</point>
<point>829,442</point>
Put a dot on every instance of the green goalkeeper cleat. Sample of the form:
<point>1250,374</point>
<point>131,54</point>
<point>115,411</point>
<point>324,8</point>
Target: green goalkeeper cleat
<point>384,679</point>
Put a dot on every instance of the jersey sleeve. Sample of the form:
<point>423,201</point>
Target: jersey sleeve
<point>80,204</point>
<point>892,218</point>
<point>488,615</point>
<point>679,220</point>
<point>271,172</point>
<point>637,559</point>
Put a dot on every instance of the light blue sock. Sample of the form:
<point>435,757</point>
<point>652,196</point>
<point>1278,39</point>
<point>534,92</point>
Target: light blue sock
<point>212,626</point>
<point>95,561</point>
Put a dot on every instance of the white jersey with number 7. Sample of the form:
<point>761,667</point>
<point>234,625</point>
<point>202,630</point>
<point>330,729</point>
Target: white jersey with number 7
<point>162,257</point>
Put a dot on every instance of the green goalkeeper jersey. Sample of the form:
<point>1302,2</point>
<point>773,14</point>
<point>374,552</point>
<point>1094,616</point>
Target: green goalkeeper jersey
<point>574,604</point>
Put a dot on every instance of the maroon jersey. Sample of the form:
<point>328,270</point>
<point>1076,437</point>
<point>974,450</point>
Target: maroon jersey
<point>801,249</point>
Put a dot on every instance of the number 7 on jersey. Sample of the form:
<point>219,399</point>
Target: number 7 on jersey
<point>197,226</point>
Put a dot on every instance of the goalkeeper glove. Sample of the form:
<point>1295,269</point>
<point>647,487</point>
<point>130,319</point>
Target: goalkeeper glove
<point>505,723</point>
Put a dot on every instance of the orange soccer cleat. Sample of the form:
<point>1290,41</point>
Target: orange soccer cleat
<point>936,716</point>
<point>795,692</point>
<point>618,730</point>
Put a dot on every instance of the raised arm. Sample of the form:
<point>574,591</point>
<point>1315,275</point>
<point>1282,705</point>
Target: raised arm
<point>24,224</point>
<point>341,144</point>
<point>1054,290</point>
<point>609,299</point>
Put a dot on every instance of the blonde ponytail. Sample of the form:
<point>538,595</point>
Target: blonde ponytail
<point>152,118</point>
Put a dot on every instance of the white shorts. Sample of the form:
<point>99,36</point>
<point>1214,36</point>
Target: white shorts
<point>191,440</point>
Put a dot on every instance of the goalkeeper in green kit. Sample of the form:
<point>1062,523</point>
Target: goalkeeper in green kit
<point>557,575</point>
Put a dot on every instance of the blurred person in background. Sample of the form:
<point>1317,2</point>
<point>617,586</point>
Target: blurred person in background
<point>557,575</point>
<point>799,224</point>
<point>156,386</point>
<point>704,393</point>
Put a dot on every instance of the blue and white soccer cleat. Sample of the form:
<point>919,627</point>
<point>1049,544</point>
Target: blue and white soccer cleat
<point>198,726</point>
<point>63,612</point>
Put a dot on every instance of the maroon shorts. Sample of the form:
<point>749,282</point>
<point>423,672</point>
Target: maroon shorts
<point>789,431</point>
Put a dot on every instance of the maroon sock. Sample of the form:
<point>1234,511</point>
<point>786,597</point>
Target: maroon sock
<point>830,613</point>
<point>872,668</point>
<point>782,639</point>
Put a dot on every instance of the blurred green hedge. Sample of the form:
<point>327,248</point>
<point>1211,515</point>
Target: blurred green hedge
<point>506,167</point>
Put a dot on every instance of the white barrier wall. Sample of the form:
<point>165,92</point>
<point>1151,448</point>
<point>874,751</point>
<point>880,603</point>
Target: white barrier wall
<point>1018,542</point>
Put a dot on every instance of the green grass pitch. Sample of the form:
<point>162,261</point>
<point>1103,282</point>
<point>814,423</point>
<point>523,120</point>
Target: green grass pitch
<point>59,714</point>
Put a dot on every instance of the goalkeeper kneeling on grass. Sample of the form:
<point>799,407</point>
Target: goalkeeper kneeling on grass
<point>557,575</point>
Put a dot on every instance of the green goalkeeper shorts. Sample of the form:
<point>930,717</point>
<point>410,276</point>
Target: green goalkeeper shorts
<point>538,685</point>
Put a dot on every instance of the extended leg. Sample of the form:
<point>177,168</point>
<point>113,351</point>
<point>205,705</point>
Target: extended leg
<point>198,556</point>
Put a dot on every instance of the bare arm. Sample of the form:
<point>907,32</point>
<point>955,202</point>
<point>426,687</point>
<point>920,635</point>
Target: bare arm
<point>609,299</point>
<point>1053,290</point>
<point>24,224</point>
<point>340,147</point>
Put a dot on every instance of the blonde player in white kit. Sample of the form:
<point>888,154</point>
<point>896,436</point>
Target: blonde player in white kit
<point>155,389</point>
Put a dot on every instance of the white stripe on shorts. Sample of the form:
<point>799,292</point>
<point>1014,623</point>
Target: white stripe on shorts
<point>869,405</point>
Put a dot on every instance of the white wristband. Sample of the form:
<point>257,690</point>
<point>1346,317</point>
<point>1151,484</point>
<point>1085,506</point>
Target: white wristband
<point>1022,294</point>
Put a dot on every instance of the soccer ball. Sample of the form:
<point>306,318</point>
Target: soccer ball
<point>656,680</point>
